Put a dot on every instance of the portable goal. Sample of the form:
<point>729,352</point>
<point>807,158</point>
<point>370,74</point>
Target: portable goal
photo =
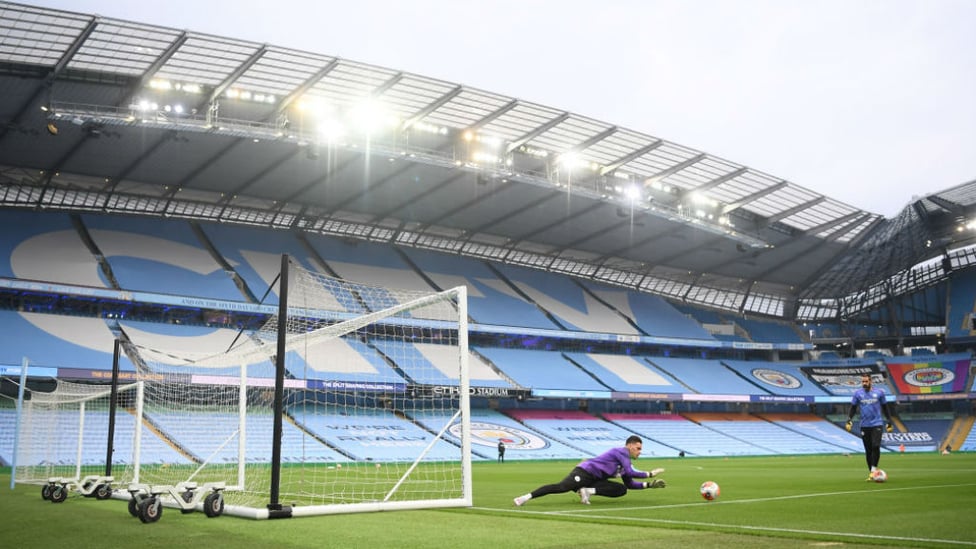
<point>352,398</point>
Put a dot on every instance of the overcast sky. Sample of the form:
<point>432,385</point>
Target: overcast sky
<point>871,103</point>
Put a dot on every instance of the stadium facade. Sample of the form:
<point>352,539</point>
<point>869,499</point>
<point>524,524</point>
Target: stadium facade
<point>727,289</point>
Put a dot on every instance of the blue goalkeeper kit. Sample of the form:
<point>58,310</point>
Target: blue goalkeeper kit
<point>869,405</point>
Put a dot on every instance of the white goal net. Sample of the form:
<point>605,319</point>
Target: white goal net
<point>371,411</point>
<point>64,433</point>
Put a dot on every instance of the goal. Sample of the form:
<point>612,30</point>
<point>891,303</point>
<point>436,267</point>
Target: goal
<point>351,398</point>
<point>63,437</point>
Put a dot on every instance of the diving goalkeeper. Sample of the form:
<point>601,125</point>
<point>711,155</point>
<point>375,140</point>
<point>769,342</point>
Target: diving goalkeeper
<point>592,477</point>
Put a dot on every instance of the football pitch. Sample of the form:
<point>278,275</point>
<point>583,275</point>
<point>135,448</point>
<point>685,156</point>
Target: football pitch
<point>804,501</point>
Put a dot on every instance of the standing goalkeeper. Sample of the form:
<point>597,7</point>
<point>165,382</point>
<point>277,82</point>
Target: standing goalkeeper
<point>591,477</point>
<point>872,403</point>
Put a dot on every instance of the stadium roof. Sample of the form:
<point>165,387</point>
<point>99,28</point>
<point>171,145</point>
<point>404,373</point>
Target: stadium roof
<point>107,115</point>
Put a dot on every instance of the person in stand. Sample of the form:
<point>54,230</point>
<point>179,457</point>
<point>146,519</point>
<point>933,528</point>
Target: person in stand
<point>592,477</point>
<point>501,451</point>
<point>872,403</point>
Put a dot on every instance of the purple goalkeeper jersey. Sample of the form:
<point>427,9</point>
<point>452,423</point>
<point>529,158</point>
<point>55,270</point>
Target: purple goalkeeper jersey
<point>611,463</point>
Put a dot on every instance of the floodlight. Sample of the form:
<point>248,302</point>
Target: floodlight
<point>632,192</point>
<point>330,129</point>
<point>569,160</point>
<point>369,116</point>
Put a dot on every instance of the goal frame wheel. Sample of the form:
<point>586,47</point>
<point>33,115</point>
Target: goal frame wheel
<point>103,492</point>
<point>59,493</point>
<point>213,504</point>
<point>151,510</point>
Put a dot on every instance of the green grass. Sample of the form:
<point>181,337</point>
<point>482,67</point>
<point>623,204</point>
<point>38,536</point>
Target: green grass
<point>810,501</point>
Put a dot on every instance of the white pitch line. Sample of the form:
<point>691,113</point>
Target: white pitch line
<point>794,496</point>
<point>592,513</point>
<point>785,530</point>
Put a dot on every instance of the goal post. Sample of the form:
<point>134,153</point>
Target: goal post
<point>66,433</point>
<point>352,398</point>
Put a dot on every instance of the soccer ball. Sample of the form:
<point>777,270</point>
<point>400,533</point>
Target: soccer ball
<point>878,475</point>
<point>710,490</point>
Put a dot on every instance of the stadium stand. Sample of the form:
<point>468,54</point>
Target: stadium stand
<point>540,369</point>
<point>684,435</point>
<point>422,356</point>
<point>344,359</point>
<point>586,433</point>
<point>626,373</point>
<point>255,255</point>
<point>780,378</point>
<point>198,441</point>
<point>141,258</point>
<point>542,320</point>
<point>830,437</point>
<point>337,359</point>
<point>925,430</point>
<point>573,307</point>
<point>370,437</point>
<point>46,247</point>
<point>93,442</point>
<point>58,341</point>
<point>768,436</point>
<point>367,263</point>
<point>491,301</point>
<point>705,376</point>
<point>652,314</point>
<point>969,444</point>
<point>962,305</point>
<point>768,331</point>
<point>521,441</point>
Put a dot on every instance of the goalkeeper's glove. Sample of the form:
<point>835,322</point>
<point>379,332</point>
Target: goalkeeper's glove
<point>656,483</point>
<point>656,472</point>
<point>848,425</point>
<point>888,428</point>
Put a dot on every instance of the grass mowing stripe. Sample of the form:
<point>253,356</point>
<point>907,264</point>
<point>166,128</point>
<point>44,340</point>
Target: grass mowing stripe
<point>597,513</point>
<point>726,527</point>
<point>739,527</point>
<point>927,502</point>
<point>776,498</point>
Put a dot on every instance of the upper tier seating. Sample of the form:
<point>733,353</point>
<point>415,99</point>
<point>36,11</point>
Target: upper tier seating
<point>58,341</point>
<point>652,314</point>
<point>159,256</point>
<point>768,331</point>
<point>437,364</point>
<point>705,376</point>
<point>962,305</point>
<point>46,247</point>
<point>255,254</point>
<point>626,373</point>
<point>540,369</point>
<point>571,306</point>
<point>491,301</point>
